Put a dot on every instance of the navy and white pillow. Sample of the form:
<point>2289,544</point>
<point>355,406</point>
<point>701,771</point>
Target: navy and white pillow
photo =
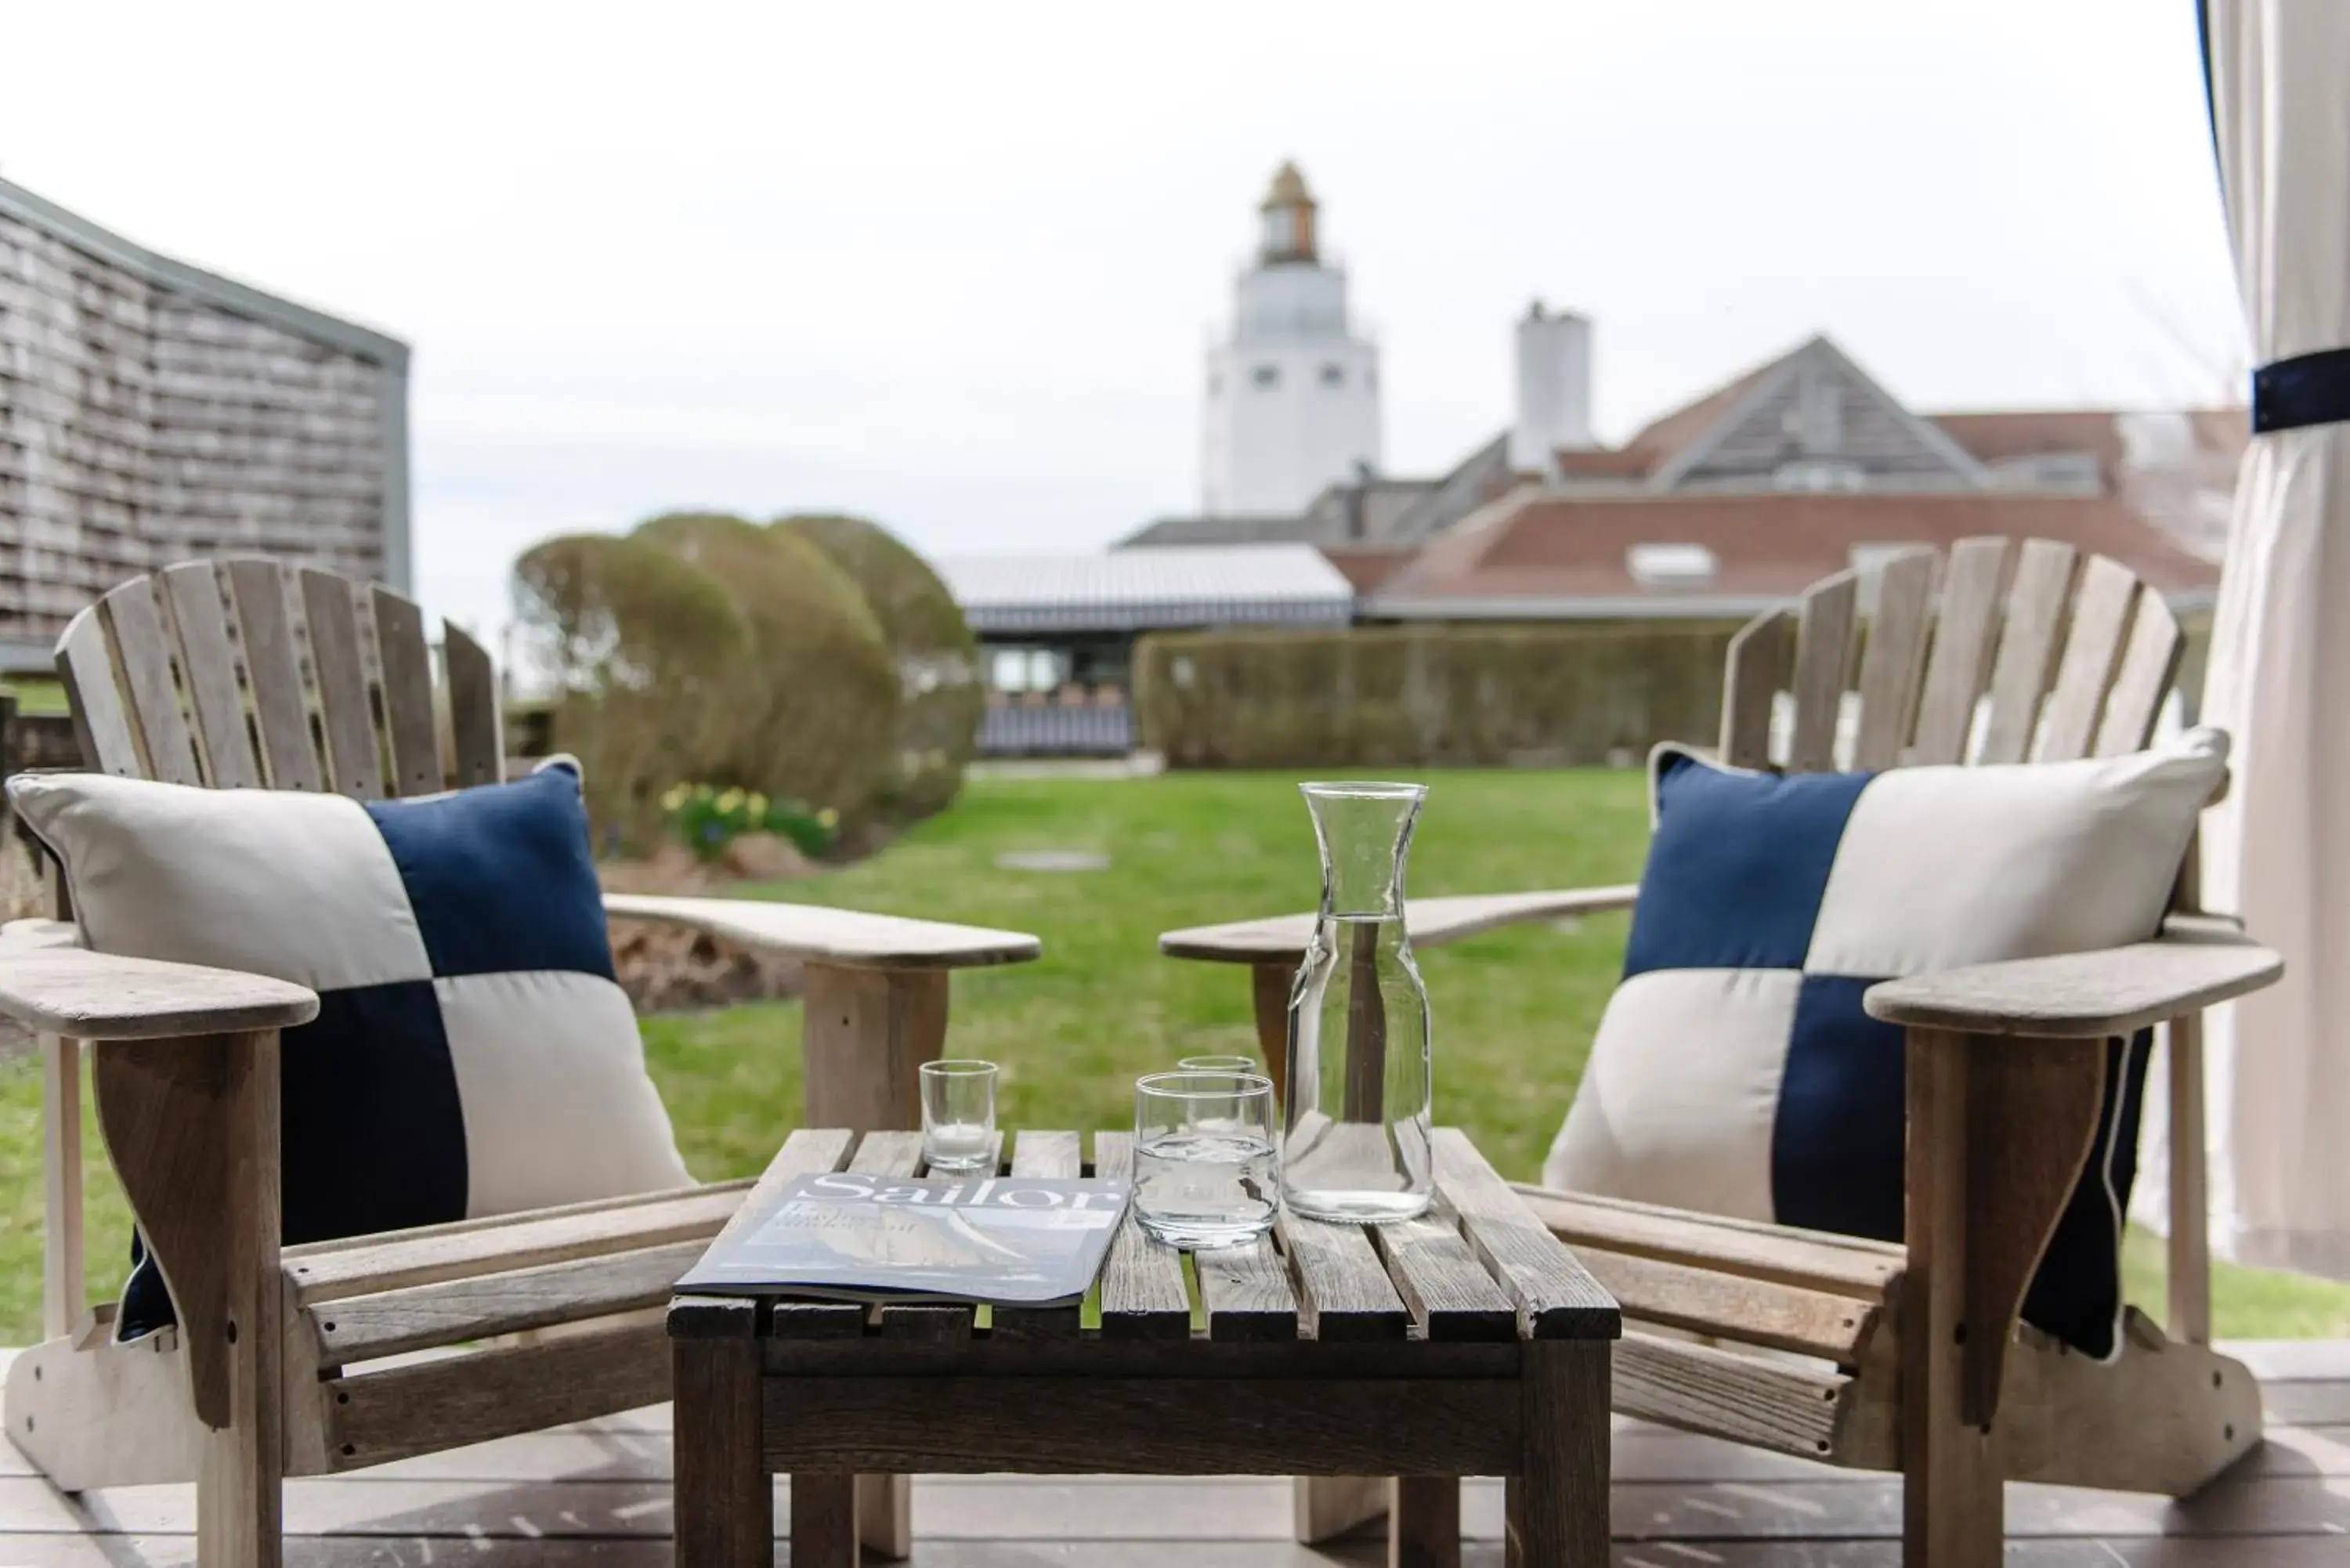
<point>473,1053</point>
<point>1734,1071</point>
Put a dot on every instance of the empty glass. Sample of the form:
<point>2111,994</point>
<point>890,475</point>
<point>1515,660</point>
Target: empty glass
<point>1205,1172</point>
<point>1217,1064</point>
<point>958,1116</point>
<point>1356,1143</point>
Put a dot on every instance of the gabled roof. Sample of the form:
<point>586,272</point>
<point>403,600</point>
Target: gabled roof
<point>1675,446</point>
<point>1750,435</point>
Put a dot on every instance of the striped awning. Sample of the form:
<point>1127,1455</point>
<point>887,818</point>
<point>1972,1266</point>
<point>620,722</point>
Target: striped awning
<point>1149,589</point>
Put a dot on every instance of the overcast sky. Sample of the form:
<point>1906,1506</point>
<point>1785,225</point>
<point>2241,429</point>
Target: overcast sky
<point>954,266</point>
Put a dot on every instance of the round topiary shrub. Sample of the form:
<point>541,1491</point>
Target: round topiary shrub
<point>940,702</point>
<point>812,706</point>
<point>643,649</point>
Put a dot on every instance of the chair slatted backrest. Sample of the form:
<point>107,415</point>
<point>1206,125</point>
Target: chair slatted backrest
<point>2008,652</point>
<point>248,673</point>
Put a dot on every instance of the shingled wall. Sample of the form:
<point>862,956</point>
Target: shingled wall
<point>150,413</point>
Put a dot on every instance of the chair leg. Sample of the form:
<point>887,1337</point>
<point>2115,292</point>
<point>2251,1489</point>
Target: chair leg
<point>1424,1524</point>
<point>885,1516</point>
<point>1325,1506</point>
<point>1951,1503</point>
<point>240,1483</point>
<point>867,1032</point>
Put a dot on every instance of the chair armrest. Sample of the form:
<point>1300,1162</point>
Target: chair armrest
<point>1432,922</point>
<point>820,935</point>
<point>21,936</point>
<point>101,996</point>
<point>2197,962</point>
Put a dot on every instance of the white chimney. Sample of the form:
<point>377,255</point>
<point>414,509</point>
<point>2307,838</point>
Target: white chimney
<point>1554,406</point>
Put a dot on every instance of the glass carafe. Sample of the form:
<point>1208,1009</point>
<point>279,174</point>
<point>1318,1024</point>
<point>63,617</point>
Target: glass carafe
<point>1354,1143</point>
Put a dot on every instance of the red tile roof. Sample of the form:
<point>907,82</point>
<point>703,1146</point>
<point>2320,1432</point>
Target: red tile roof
<point>1554,547</point>
<point>1665,434</point>
<point>1999,434</point>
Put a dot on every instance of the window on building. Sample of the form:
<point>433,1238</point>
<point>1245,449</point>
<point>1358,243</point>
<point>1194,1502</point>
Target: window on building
<point>1670,565</point>
<point>1333,375</point>
<point>1267,375</point>
<point>1018,669</point>
<point>1813,421</point>
<point>1812,473</point>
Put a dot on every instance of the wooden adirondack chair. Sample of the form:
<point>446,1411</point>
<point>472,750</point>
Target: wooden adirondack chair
<point>197,675</point>
<point>1916,1357</point>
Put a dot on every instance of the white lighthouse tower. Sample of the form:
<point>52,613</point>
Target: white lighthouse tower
<point>1292,393</point>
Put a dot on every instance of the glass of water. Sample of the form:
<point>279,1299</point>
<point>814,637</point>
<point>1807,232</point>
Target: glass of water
<point>1217,1064</point>
<point>958,1116</point>
<point>1205,1173</point>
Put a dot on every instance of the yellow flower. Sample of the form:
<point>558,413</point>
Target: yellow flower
<point>758,804</point>
<point>703,792</point>
<point>827,819</point>
<point>732,801</point>
<point>675,799</point>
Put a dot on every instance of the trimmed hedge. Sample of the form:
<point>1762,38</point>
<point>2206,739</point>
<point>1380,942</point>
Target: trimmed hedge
<point>812,714</point>
<point>940,701</point>
<point>641,644</point>
<point>702,647</point>
<point>1429,695</point>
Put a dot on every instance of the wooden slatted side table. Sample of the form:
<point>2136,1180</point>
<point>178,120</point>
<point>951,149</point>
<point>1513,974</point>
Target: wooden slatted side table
<point>1466,1342</point>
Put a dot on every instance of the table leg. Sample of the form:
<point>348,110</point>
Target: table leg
<point>1558,1499</point>
<point>1424,1523</point>
<point>824,1520</point>
<point>725,1504</point>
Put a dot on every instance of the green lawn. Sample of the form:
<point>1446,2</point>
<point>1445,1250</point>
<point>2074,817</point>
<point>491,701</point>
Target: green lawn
<point>1515,1009</point>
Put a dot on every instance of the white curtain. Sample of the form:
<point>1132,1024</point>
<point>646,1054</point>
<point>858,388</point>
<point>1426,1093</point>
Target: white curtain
<point>2277,850</point>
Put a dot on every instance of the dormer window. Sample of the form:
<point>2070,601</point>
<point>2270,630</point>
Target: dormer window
<point>1814,474</point>
<point>1267,375</point>
<point>1670,565</point>
<point>1333,375</point>
<point>1813,422</point>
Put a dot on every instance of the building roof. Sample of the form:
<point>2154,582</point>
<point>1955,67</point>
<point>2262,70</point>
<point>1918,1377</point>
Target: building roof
<point>1288,189</point>
<point>1546,553</point>
<point>1168,531</point>
<point>1145,588</point>
<point>1665,436</point>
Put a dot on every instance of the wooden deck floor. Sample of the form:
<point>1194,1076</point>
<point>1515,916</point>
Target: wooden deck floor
<point>599,1495</point>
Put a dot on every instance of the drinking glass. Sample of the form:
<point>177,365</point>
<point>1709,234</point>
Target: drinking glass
<point>958,1116</point>
<point>1356,1143</point>
<point>1205,1171</point>
<point>1217,1064</point>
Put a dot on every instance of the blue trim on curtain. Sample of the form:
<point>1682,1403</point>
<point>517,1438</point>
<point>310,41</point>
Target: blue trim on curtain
<point>2210,97</point>
<point>2306,389</point>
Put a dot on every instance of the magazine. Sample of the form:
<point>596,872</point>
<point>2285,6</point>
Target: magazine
<point>846,1235</point>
